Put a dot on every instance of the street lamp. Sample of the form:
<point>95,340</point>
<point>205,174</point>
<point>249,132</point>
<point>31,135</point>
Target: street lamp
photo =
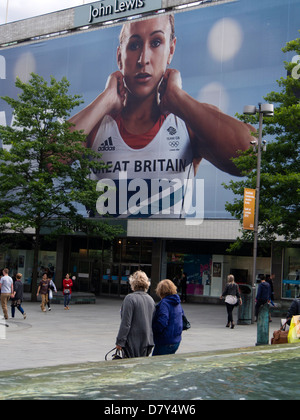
<point>264,110</point>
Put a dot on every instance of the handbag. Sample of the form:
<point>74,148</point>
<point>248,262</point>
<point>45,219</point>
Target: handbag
<point>186,325</point>
<point>280,336</point>
<point>231,300</point>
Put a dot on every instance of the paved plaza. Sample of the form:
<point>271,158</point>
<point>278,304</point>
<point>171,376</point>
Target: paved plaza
<point>86,332</point>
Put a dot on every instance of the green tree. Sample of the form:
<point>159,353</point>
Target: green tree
<point>279,210</point>
<point>44,167</point>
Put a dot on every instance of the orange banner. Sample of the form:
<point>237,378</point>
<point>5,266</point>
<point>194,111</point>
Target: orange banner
<point>249,209</point>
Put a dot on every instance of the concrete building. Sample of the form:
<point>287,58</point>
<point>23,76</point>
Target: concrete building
<point>219,37</point>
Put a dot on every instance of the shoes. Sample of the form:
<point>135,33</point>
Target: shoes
<point>49,309</point>
<point>24,315</point>
<point>232,325</point>
<point>227,325</point>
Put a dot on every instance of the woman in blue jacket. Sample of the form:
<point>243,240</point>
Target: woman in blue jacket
<point>167,320</point>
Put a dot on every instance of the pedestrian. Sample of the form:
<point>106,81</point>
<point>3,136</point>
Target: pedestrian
<point>135,334</point>
<point>167,321</point>
<point>7,291</point>
<point>52,288</point>
<point>17,300</point>
<point>183,285</point>
<point>232,298</point>
<point>269,279</point>
<point>43,289</point>
<point>67,291</point>
<point>293,310</point>
<point>263,295</point>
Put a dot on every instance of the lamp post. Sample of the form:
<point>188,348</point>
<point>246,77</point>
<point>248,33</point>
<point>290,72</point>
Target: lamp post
<point>6,15</point>
<point>266,110</point>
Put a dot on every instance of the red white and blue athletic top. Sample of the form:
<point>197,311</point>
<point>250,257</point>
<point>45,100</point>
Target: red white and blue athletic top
<point>154,166</point>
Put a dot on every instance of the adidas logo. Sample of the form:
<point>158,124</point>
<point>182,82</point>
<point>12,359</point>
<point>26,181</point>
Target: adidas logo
<point>107,146</point>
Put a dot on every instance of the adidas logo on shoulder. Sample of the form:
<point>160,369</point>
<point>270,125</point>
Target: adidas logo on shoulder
<point>107,146</point>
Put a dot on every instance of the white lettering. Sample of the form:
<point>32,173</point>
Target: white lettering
<point>106,203</point>
<point>116,410</point>
<point>175,197</point>
<point>119,7</point>
<point>138,203</point>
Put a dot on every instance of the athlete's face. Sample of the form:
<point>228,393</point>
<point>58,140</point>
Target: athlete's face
<point>145,51</point>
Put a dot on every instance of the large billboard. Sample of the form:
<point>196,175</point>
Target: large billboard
<point>160,99</point>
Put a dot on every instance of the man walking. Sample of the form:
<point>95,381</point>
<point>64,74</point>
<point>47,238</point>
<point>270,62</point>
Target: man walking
<point>263,295</point>
<point>44,289</point>
<point>7,290</point>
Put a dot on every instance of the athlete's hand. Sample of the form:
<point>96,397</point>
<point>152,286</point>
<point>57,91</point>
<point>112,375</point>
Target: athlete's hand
<point>116,88</point>
<point>170,84</point>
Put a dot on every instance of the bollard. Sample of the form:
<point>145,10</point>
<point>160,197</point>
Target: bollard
<point>263,326</point>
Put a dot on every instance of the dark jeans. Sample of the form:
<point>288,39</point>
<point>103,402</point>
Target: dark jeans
<point>13,308</point>
<point>162,349</point>
<point>67,298</point>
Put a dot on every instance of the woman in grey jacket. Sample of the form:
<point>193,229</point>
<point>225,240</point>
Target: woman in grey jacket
<point>232,298</point>
<point>135,335</point>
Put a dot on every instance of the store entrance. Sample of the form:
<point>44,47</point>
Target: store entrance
<point>115,282</point>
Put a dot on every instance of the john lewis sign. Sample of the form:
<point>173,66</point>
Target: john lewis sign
<point>105,10</point>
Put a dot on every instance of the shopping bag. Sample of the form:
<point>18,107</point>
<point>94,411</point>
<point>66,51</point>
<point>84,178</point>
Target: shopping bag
<point>294,331</point>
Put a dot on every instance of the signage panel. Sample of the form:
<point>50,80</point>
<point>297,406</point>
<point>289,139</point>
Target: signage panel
<point>105,10</point>
<point>226,56</point>
<point>249,209</point>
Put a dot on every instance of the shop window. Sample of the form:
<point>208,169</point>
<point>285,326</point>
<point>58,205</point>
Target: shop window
<point>197,268</point>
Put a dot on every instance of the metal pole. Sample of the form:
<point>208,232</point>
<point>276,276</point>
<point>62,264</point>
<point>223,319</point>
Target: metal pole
<point>6,16</point>
<point>256,207</point>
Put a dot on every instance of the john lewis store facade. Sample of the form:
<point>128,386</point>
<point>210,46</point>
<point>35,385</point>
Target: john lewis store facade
<point>80,43</point>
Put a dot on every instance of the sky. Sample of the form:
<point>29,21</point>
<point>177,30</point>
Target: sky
<point>13,10</point>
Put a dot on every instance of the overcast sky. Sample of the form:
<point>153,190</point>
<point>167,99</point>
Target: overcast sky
<point>12,10</point>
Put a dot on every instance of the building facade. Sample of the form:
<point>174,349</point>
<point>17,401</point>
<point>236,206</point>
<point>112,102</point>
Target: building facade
<point>229,54</point>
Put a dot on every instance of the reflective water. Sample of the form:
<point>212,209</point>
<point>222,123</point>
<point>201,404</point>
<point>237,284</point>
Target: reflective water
<point>259,373</point>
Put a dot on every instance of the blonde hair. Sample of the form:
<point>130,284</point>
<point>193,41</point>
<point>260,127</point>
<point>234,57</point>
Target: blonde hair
<point>171,22</point>
<point>18,276</point>
<point>165,288</point>
<point>230,278</point>
<point>139,281</point>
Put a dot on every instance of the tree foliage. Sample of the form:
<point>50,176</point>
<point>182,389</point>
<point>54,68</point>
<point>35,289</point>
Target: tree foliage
<point>45,166</point>
<point>279,210</point>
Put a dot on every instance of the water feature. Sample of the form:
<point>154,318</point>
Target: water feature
<point>258,373</point>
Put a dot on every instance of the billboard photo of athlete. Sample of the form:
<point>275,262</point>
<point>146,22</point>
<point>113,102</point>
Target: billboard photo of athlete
<point>145,125</point>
